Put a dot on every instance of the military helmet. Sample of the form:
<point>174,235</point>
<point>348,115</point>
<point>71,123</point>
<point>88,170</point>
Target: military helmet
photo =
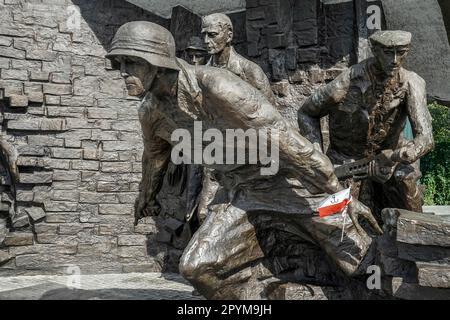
<point>145,40</point>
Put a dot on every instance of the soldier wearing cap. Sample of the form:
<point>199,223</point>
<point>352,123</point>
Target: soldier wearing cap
<point>368,106</point>
<point>195,53</point>
<point>175,95</point>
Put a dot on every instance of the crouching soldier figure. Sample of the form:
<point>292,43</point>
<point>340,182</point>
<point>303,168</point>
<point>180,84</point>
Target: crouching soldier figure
<point>176,95</point>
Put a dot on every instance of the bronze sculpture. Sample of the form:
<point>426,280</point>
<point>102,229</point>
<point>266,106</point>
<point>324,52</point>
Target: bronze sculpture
<point>217,30</point>
<point>218,33</point>
<point>368,106</point>
<point>174,95</point>
<point>195,53</point>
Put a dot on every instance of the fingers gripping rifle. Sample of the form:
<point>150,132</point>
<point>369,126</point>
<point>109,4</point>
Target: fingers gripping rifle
<point>357,170</point>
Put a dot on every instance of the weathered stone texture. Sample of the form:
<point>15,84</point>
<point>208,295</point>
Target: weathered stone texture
<point>77,136</point>
<point>414,254</point>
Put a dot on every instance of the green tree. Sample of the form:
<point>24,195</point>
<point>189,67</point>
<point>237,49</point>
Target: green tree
<point>436,165</point>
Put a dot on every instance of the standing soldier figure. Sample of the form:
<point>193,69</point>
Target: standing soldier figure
<point>217,30</point>
<point>368,106</point>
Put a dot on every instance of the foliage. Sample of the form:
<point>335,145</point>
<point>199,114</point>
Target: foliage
<point>436,165</point>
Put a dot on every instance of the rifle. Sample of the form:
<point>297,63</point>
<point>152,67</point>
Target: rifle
<point>358,170</point>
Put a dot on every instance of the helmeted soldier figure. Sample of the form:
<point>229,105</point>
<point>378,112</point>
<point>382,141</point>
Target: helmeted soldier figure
<point>368,106</point>
<point>176,95</point>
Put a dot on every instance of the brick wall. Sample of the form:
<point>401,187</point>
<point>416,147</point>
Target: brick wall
<point>77,138</point>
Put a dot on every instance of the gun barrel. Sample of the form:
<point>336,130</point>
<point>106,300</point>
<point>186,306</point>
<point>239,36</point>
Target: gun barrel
<point>357,169</point>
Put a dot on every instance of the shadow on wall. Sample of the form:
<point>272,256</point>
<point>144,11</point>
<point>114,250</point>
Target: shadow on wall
<point>104,18</point>
<point>445,7</point>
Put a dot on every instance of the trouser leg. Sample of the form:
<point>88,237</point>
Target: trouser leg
<point>225,243</point>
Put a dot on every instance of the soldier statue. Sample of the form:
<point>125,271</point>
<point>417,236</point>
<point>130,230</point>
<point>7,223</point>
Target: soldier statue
<point>195,53</point>
<point>368,106</point>
<point>217,30</point>
<point>177,95</point>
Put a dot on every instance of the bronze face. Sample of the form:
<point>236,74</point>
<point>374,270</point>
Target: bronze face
<point>218,34</point>
<point>196,57</point>
<point>138,74</point>
<point>390,59</point>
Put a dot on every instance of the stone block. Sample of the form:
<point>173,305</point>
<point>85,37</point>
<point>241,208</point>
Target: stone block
<point>77,101</point>
<point>61,240</point>
<point>257,13</point>
<point>277,59</point>
<point>47,228</point>
<point>86,86</point>
<point>65,195</point>
<point>291,58</point>
<point>52,100</point>
<point>6,41</point>
<point>430,254</point>
<point>100,113</point>
<point>5,257</point>
<point>131,252</point>
<point>85,165</point>
<point>39,75</point>
<point>25,124</point>
<point>142,267</point>
<point>10,52</point>
<point>64,175</point>
<point>63,78</point>
<point>103,186</point>
<point>43,55</point>
<point>44,140</point>
<point>74,228</point>
<point>412,291</point>
<point>18,239</point>
<point>37,97</point>
<point>35,213</point>
<point>57,89</point>
<point>118,146</point>
<point>65,153</point>
<point>422,229</point>
<point>60,206</point>
<point>24,196</point>
<point>90,154</point>
<point>308,55</point>
<point>433,275</point>
<point>28,150</point>
<point>62,217</point>
<point>36,177</point>
<point>14,74</point>
<point>52,125</point>
<point>131,240</point>
<point>94,198</point>
<point>116,209</point>
<point>18,101</point>
<point>116,167</point>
